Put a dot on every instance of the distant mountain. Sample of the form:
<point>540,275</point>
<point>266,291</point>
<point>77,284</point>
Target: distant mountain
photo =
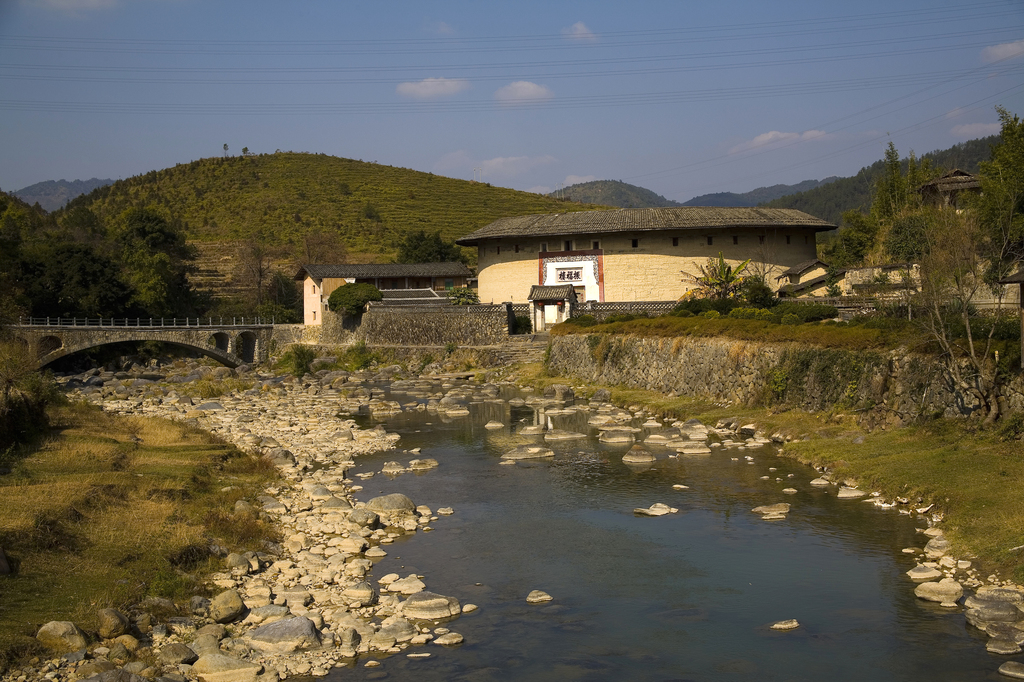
<point>754,196</point>
<point>830,201</point>
<point>613,193</point>
<point>54,194</point>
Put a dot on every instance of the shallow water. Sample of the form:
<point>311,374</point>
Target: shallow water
<point>687,596</point>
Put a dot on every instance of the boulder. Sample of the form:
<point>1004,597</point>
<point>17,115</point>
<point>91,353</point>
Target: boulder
<point>1002,645</point>
<point>285,636</point>
<point>391,504</point>
<point>790,624</point>
<point>947,591</point>
<point>538,597</point>
<point>656,509</point>
<point>922,574</point>
<point>409,585</point>
<point>360,592</point>
<point>529,452</point>
<point>560,392</point>
<point>449,639</point>
<point>61,635</point>
<point>778,508</point>
<point>221,668</point>
<point>364,517</point>
<point>398,629</point>
<point>936,548</point>
<point>602,395</point>
<point>227,607</point>
<point>638,455</point>
<point>111,623</point>
<point>1012,669</point>
<point>176,654</point>
<point>430,606</point>
<point>982,612</point>
<point>115,675</point>
<point>848,493</point>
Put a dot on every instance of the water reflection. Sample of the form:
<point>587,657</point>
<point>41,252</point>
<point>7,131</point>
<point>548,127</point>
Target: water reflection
<point>686,596</point>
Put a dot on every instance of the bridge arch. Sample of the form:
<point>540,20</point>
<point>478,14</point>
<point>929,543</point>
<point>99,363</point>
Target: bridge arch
<point>210,352</point>
<point>246,346</point>
<point>221,341</point>
<point>48,344</point>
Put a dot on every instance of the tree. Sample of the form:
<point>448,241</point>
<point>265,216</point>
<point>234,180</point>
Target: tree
<point>322,246</point>
<point>462,296</point>
<point>421,247</point>
<point>245,151</point>
<point>853,241</point>
<point>156,261</point>
<point>352,298</point>
<point>72,280</point>
<point>952,274</point>
<point>1001,204</point>
<point>255,260</point>
<point>716,278</point>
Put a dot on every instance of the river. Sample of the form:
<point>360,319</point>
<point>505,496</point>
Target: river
<point>687,596</point>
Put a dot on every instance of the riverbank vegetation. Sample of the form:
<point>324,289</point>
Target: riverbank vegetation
<point>109,510</point>
<point>972,477</point>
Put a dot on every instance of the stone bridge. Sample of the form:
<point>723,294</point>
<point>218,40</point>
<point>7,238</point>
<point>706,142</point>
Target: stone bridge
<point>48,339</point>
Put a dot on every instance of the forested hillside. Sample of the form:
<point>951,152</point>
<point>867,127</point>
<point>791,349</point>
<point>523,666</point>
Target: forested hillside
<point>830,201</point>
<point>280,198</point>
<point>754,196</point>
<point>614,193</point>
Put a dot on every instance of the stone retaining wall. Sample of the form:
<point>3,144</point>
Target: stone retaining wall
<point>475,325</point>
<point>890,387</point>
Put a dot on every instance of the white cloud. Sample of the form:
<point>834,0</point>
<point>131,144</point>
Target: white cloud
<point>577,179</point>
<point>970,130</point>
<point>522,92</point>
<point>432,87</point>
<point>995,53</point>
<point>72,6</point>
<point>578,31</point>
<point>775,137</point>
<point>509,166</point>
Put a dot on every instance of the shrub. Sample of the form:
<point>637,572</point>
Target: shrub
<point>711,314</point>
<point>743,313</point>
<point>352,298</point>
<point>522,325</point>
<point>697,306</point>
<point>357,356</point>
<point>462,296</point>
<point>300,357</point>
<point>790,318</point>
<point>757,294</point>
<point>764,314</point>
<point>806,312</point>
<point>582,321</point>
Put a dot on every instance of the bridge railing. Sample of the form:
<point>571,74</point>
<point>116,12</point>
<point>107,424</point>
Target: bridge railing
<point>145,322</point>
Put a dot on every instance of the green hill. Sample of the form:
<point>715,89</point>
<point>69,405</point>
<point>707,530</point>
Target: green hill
<point>830,201</point>
<point>614,193</point>
<point>754,196</point>
<point>279,198</point>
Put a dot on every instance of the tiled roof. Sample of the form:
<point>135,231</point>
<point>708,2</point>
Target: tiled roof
<point>556,292</point>
<point>408,293</point>
<point>369,270</point>
<point>801,268</point>
<point>953,180</point>
<point>643,220</point>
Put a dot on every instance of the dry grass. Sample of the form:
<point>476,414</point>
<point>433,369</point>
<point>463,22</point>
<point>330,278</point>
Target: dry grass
<point>111,509</point>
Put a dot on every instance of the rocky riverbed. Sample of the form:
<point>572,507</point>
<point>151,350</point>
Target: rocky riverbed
<point>314,602</point>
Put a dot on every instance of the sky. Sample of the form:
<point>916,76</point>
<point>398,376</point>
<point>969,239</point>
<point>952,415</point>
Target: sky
<point>682,97</point>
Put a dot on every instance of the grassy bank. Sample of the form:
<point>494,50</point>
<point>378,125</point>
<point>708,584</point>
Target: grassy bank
<point>111,509</point>
<point>973,477</point>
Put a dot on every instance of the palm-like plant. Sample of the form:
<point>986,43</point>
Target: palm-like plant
<point>716,279</point>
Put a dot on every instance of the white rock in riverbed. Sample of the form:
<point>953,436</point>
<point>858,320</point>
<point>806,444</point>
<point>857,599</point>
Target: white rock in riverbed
<point>850,493</point>
<point>790,624</point>
<point>946,591</point>
<point>538,597</point>
<point>656,509</point>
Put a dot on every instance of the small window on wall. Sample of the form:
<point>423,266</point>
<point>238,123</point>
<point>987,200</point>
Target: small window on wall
<point>711,241</point>
<point>735,239</point>
<point>595,245</point>
<point>497,250</point>
<point>568,245</point>
<point>517,248</point>
<point>449,284</point>
<point>543,247</point>
<point>675,241</point>
<point>787,238</point>
<point>760,239</point>
<point>314,314</point>
<point>636,243</point>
